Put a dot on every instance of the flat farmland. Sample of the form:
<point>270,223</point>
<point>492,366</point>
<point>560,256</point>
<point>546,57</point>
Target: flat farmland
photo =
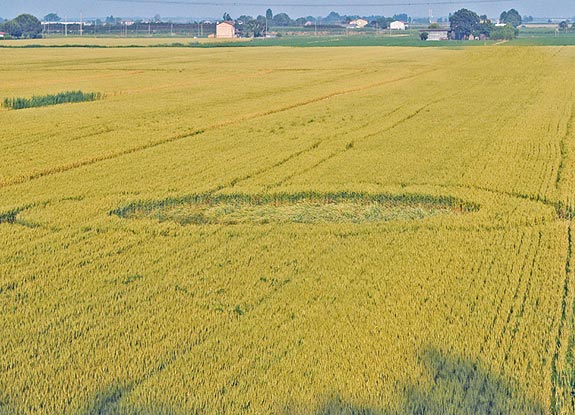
<point>288,231</point>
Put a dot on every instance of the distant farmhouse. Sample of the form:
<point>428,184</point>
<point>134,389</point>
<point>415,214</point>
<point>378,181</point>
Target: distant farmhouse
<point>397,25</point>
<point>436,34</point>
<point>2,34</point>
<point>225,30</point>
<point>358,23</point>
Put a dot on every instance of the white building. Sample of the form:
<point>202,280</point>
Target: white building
<point>358,23</point>
<point>397,25</point>
<point>437,34</point>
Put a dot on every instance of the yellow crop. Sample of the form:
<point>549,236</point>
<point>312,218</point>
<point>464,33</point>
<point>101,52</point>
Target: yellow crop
<point>456,296</point>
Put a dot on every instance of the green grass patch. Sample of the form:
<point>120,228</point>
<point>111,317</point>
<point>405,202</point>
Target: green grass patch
<point>409,40</point>
<point>46,100</point>
<point>10,216</point>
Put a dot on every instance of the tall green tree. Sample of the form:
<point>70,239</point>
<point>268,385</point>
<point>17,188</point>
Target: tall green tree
<point>282,19</point>
<point>11,28</point>
<point>24,25</point>
<point>463,23</point>
<point>485,27</point>
<point>52,17</point>
<point>383,22</point>
<point>332,18</point>
<point>269,14</point>
<point>507,32</point>
<point>253,28</point>
<point>511,17</point>
<point>402,17</point>
<point>227,17</point>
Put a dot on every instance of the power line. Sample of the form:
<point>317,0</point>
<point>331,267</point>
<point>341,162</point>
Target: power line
<point>259,4</point>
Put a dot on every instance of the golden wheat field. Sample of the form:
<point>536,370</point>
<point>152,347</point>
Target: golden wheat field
<point>288,231</point>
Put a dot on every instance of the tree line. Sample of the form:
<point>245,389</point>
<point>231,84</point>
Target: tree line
<point>464,24</point>
<point>249,26</point>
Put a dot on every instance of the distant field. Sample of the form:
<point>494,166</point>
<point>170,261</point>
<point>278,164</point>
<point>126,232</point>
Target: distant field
<point>545,39</point>
<point>109,41</point>
<point>406,40</point>
<point>528,37</point>
<point>281,230</point>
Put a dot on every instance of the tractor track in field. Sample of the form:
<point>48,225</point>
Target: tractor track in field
<point>511,312</point>
<point>214,127</point>
<point>500,305</point>
<point>113,397</point>
<point>566,216</point>
<point>555,386</point>
<point>526,292</point>
<point>563,147</point>
<point>350,145</point>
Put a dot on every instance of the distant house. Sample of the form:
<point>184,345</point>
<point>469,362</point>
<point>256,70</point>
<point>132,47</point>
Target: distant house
<point>358,23</point>
<point>397,25</point>
<point>225,30</point>
<point>2,34</point>
<point>308,23</point>
<point>436,34</point>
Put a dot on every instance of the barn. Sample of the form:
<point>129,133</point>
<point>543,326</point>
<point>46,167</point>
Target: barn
<point>437,34</point>
<point>397,25</point>
<point>358,23</point>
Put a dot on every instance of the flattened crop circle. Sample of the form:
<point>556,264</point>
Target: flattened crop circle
<point>305,207</point>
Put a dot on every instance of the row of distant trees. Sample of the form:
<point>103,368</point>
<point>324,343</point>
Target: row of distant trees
<point>249,26</point>
<point>464,23</point>
<point>256,25</point>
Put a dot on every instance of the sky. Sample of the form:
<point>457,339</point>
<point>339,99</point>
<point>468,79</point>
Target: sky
<point>99,8</point>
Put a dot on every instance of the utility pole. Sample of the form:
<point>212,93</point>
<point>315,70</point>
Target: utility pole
<point>81,24</point>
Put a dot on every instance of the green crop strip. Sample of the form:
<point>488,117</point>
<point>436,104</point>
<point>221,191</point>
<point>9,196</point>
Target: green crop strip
<point>55,99</point>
